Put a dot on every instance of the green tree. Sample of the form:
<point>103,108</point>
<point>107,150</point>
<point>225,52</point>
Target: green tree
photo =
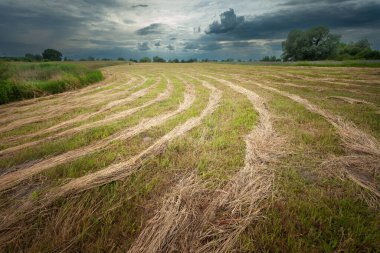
<point>158,59</point>
<point>358,50</point>
<point>269,58</point>
<point>317,43</point>
<point>145,59</point>
<point>51,55</point>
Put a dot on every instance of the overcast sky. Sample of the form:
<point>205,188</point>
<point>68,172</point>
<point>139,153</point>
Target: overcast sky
<point>182,28</point>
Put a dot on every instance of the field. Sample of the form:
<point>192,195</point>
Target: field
<point>199,157</point>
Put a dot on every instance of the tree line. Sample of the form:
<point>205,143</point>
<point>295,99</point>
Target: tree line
<point>314,44</point>
<point>47,55</point>
<point>175,60</point>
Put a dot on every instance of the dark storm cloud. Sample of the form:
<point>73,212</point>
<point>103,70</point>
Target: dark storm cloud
<point>228,22</point>
<point>190,46</point>
<point>144,46</point>
<point>308,2</point>
<point>16,17</point>
<point>32,28</point>
<point>140,5</point>
<point>104,43</point>
<point>101,27</point>
<point>278,24</point>
<point>103,3</point>
<point>35,28</point>
<point>211,46</point>
<point>155,28</point>
<point>170,47</point>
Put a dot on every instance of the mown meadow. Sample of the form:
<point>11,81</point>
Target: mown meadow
<point>198,157</point>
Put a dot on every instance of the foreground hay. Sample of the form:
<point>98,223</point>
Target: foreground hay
<point>195,158</point>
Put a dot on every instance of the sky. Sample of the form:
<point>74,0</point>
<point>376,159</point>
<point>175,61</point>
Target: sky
<point>245,29</point>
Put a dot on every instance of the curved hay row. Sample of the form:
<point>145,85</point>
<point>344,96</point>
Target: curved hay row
<point>241,201</point>
<point>28,104</point>
<point>111,173</point>
<point>117,116</point>
<point>121,170</point>
<point>319,88</point>
<point>363,150</point>
<point>181,225</point>
<point>13,178</point>
<point>324,80</point>
<point>59,110</point>
<point>49,103</point>
<point>351,100</point>
<point>175,221</point>
<point>85,116</point>
<point>288,81</point>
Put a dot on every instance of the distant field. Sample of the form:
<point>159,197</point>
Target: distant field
<point>20,81</point>
<point>194,158</point>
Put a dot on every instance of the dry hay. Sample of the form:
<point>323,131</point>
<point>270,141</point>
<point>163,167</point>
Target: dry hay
<point>356,142</point>
<point>111,173</point>
<point>27,105</point>
<point>68,100</point>
<point>172,227</point>
<point>311,86</point>
<point>107,119</point>
<point>175,221</point>
<point>183,225</point>
<point>324,80</point>
<point>12,179</point>
<point>56,110</point>
<point>241,201</point>
<point>351,100</point>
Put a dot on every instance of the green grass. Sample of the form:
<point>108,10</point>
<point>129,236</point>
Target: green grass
<point>29,80</point>
<point>72,113</point>
<point>88,136</point>
<point>215,158</point>
<point>363,115</point>
<point>311,210</point>
<point>314,215</point>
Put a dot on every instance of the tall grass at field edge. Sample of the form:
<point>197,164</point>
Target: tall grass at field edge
<point>24,81</point>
